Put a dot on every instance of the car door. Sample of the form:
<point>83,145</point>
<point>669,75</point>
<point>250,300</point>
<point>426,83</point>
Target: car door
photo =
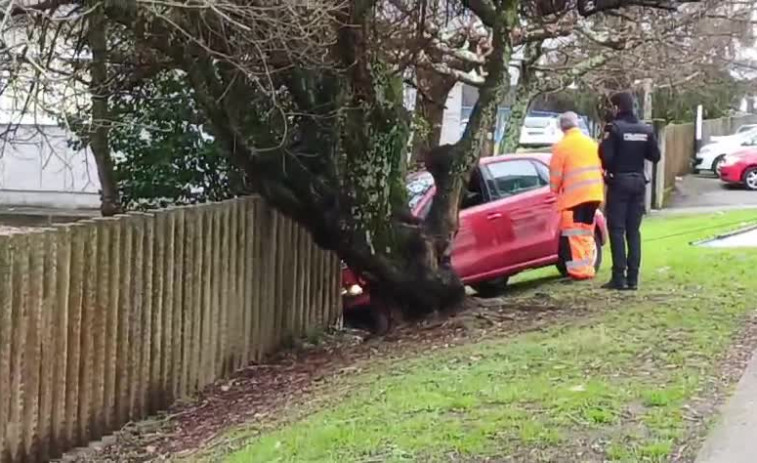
<point>552,218</point>
<point>475,249</point>
<point>526,207</point>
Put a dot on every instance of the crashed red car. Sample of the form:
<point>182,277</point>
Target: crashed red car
<point>508,223</point>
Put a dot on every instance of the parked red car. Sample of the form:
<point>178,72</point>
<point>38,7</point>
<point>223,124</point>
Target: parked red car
<point>508,223</point>
<point>740,168</point>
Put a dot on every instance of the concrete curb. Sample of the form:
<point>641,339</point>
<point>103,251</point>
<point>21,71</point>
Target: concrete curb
<point>734,440</point>
<point>723,236</point>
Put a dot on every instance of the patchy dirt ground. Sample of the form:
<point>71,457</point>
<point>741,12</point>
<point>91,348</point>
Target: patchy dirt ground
<point>260,393</point>
<point>295,381</point>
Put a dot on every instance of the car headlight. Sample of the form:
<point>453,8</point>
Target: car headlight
<point>354,290</point>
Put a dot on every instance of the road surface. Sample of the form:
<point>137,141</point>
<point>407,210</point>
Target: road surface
<point>706,191</point>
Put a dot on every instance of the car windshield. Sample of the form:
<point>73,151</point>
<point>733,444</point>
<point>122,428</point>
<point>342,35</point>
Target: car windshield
<point>417,187</point>
<point>537,122</point>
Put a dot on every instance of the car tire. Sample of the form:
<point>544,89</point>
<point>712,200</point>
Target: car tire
<point>750,179</point>
<point>381,323</point>
<point>717,164</point>
<point>597,263</point>
<point>490,288</point>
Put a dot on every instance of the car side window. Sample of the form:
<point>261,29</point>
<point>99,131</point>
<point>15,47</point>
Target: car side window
<point>472,196</point>
<point>474,193</point>
<point>510,178</point>
<point>543,172</point>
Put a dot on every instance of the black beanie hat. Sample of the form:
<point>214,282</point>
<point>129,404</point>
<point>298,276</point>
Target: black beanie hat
<point>624,101</point>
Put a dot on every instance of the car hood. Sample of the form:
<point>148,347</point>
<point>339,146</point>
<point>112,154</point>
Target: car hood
<point>724,138</point>
<point>724,145</point>
<point>734,138</point>
<point>743,154</point>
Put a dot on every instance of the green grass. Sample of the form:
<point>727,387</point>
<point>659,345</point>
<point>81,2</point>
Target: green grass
<point>613,385</point>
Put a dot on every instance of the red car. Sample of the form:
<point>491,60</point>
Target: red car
<point>740,168</point>
<point>508,223</point>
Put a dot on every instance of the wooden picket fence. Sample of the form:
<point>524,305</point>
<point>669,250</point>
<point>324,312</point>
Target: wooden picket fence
<point>679,150</point>
<point>106,321</point>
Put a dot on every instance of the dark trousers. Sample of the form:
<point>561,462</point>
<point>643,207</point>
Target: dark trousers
<point>625,208</point>
<point>583,213</point>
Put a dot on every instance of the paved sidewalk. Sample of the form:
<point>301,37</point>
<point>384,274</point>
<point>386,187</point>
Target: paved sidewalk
<point>734,440</point>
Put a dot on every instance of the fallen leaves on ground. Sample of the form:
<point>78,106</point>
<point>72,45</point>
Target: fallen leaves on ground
<point>260,393</point>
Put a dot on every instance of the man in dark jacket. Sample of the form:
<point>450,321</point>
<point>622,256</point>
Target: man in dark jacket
<point>626,144</point>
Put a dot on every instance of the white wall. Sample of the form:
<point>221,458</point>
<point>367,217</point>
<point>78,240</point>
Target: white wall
<point>451,127</point>
<point>37,168</point>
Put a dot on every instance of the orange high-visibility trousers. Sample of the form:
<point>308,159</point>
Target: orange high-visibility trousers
<point>583,248</point>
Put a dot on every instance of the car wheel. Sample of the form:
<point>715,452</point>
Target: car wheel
<point>490,288</point>
<point>597,257</point>
<point>717,164</point>
<point>381,323</point>
<point>750,179</point>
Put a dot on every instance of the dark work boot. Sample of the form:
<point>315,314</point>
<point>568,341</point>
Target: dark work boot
<point>633,281</point>
<point>618,283</point>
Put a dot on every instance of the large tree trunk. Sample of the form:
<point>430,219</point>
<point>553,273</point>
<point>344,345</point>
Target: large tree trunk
<point>110,203</point>
<point>429,108</point>
<point>524,94</point>
<point>342,175</point>
<point>518,110</point>
<point>451,165</point>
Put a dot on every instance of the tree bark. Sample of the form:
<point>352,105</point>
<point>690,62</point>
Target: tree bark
<point>451,165</point>
<point>430,107</point>
<point>110,203</point>
<point>518,110</point>
<point>524,94</point>
<point>342,174</point>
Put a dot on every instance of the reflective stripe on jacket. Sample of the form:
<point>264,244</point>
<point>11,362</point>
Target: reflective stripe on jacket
<point>575,170</point>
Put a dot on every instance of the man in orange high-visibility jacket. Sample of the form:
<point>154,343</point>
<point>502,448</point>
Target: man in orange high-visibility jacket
<point>576,178</point>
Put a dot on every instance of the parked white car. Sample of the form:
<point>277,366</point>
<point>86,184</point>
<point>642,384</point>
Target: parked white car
<point>740,131</point>
<point>746,128</point>
<point>540,131</point>
<point>712,155</point>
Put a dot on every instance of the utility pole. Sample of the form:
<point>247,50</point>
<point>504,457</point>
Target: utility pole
<point>649,168</point>
<point>647,109</point>
<point>698,131</point>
